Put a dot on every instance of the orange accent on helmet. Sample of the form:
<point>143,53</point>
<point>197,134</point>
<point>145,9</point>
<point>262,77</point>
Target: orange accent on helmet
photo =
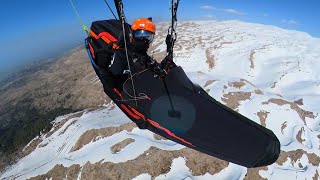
<point>143,24</point>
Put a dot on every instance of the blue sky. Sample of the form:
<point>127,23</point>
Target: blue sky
<point>38,29</point>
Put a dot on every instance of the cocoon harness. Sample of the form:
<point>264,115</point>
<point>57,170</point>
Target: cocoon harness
<point>105,37</point>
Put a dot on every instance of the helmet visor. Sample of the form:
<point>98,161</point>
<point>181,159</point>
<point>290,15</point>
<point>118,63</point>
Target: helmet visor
<point>143,35</point>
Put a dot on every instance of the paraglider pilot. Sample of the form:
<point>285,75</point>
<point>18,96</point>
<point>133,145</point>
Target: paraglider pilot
<point>113,73</point>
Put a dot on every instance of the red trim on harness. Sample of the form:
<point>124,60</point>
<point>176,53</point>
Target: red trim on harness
<point>129,112</point>
<point>92,51</point>
<point>119,94</point>
<point>168,132</point>
<point>108,41</point>
<point>137,113</point>
<point>105,36</point>
<point>168,69</point>
<point>93,34</point>
<point>108,35</point>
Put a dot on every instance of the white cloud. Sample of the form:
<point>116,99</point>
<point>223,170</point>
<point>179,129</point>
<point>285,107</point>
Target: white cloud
<point>229,11</point>
<point>207,7</point>
<point>233,11</point>
<point>210,16</point>
<point>290,22</point>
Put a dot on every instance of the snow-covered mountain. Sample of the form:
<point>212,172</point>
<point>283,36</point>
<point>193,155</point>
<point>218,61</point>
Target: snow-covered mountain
<point>266,73</point>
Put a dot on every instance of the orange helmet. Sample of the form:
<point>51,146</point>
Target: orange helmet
<point>143,30</point>
<point>143,24</point>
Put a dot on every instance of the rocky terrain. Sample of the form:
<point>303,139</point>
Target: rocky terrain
<point>33,97</point>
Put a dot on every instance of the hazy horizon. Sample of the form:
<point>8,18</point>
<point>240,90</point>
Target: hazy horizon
<point>16,65</point>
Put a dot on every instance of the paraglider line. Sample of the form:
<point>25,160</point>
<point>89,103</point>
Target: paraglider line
<point>84,27</point>
<point>110,9</point>
<point>172,113</point>
<point>125,45</point>
<point>141,95</point>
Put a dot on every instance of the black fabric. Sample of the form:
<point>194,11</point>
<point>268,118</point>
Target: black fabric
<point>103,51</point>
<point>119,63</point>
<point>140,46</point>
<point>112,26</point>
